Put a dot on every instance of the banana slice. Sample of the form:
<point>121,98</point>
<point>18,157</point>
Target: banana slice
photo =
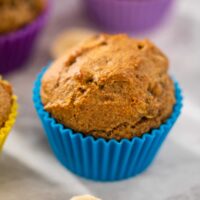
<point>68,39</point>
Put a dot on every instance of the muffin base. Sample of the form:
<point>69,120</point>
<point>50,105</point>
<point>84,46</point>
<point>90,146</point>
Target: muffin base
<point>100,159</point>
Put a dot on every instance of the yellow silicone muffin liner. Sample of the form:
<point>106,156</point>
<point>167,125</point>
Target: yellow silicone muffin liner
<point>4,131</point>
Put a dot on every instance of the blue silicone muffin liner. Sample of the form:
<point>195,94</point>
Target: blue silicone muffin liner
<point>100,159</point>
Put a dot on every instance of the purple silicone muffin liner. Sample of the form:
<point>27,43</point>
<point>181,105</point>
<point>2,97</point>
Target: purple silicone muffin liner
<point>128,15</point>
<point>100,159</point>
<point>15,47</point>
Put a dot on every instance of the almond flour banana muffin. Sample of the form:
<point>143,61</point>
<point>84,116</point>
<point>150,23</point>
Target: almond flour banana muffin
<point>105,90</point>
<point>5,101</point>
<point>112,86</point>
<point>15,14</point>
<point>8,111</point>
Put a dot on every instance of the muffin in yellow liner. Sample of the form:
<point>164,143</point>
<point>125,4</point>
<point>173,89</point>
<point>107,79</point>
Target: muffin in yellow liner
<point>5,130</point>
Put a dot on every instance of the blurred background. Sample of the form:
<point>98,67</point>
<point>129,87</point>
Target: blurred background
<point>28,169</point>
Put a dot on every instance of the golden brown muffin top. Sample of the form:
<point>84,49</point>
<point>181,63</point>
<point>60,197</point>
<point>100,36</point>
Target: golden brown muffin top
<point>5,101</point>
<point>15,14</point>
<point>112,86</point>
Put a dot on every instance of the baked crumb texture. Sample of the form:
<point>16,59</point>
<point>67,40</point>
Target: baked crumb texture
<point>112,86</point>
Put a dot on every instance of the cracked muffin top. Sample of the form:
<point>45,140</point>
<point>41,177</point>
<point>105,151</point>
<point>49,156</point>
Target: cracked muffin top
<point>112,86</point>
<point>5,101</point>
<point>15,14</point>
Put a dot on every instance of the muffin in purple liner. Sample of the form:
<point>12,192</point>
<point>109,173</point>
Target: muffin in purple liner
<point>17,35</point>
<point>107,106</point>
<point>128,15</point>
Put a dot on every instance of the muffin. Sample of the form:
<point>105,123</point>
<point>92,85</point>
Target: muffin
<point>107,106</point>
<point>21,21</point>
<point>7,110</point>
<point>128,15</point>
<point>91,92</point>
<point>68,39</point>
<point>84,197</point>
